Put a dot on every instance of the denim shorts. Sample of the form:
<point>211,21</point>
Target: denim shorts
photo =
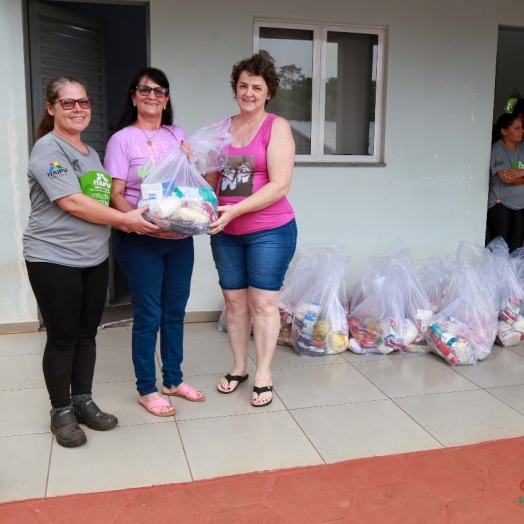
<point>257,260</point>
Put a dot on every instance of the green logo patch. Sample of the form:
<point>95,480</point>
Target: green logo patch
<point>97,185</point>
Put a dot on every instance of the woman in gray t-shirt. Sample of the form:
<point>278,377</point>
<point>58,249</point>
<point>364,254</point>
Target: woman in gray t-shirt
<point>66,254</point>
<point>506,189</point>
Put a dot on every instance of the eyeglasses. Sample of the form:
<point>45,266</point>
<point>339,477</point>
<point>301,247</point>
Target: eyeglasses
<point>160,92</point>
<point>70,103</point>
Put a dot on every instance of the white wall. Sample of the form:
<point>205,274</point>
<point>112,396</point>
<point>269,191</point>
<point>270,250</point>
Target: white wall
<point>440,84</point>
<point>17,304</point>
<point>438,114</point>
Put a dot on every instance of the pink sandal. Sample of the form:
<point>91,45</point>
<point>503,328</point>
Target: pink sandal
<point>186,392</point>
<point>155,407</point>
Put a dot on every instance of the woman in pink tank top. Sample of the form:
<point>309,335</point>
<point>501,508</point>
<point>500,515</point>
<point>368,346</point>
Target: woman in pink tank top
<point>254,239</point>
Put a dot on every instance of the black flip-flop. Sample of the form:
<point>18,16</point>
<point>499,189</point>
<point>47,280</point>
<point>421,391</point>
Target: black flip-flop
<point>258,391</point>
<point>236,378</point>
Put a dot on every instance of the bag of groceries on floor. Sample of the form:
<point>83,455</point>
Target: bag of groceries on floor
<point>435,275</point>
<point>222,324</point>
<point>516,261</point>
<point>180,200</point>
<point>320,319</point>
<point>389,308</point>
<point>376,324</point>
<point>510,297</point>
<point>464,331</point>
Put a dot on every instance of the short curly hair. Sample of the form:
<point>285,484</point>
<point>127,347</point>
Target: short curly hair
<point>260,65</point>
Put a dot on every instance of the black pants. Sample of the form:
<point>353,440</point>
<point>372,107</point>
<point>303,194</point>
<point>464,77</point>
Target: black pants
<point>506,223</point>
<point>71,301</point>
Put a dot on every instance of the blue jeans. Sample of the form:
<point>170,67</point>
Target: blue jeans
<point>158,273</point>
<point>257,259</point>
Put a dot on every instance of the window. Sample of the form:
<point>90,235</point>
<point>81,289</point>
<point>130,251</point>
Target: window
<point>330,88</point>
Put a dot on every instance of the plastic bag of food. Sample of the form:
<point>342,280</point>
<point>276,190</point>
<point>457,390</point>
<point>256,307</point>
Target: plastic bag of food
<point>300,276</point>
<point>320,320</point>
<point>435,275</point>
<point>377,324</point>
<point>509,299</point>
<point>389,308</point>
<point>179,198</point>
<point>222,324</point>
<point>464,331</point>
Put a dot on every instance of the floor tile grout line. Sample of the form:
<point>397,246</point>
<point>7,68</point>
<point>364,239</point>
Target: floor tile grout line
<point>420,425</point>
<point>49,466</point>
<point>503,401</point>
<point>307,437</point>
<point>184,450</point>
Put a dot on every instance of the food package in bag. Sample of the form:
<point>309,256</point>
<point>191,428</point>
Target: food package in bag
<point>320,321</point>
<point>180,200</point>
<point>299,279</point>
<point>377,324</point>
<point>464,331</point>
<point>509,297</point>
<point>389,307</point>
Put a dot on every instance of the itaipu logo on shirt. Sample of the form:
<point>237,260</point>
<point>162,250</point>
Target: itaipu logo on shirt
<point>55,169</point>
<point>497,162</point>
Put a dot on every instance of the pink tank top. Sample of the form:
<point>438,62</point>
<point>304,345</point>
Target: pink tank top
<point>244,174</point>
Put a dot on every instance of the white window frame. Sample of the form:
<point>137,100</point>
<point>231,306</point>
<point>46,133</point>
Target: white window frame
<point>320,32</point>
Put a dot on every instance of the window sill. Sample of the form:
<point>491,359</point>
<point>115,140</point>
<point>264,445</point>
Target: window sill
<point>340,164</point>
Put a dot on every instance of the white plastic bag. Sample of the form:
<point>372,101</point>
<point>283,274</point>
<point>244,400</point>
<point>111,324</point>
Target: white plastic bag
<point>320,324</point>
<point>179,198</point>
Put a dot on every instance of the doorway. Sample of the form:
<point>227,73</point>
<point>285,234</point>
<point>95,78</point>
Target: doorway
<point>103,43</point>
<point>509,77</point>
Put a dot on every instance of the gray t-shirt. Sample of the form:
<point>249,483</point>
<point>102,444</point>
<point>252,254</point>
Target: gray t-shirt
<point>503,158</point>
<point>57,169</point>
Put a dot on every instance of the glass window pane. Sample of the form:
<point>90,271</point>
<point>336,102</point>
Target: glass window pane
<point>351,73</point>
<point>292,52</point>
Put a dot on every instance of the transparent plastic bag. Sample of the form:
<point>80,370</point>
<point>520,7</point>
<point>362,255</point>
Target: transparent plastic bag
<point>180,200</point>
<point>464,331</point>
<point>389,308</point>
<point>301,275</point>
<point>510,297</point>
<point>320,322</point>
<point>435,275</point>
<point>376,325</point>
<point>209,146</point>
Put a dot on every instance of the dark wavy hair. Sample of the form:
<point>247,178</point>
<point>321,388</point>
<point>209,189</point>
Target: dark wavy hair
<point>503,122</point>
<point>47,122</point>
<point>129,113</point>
<point>260,65</point>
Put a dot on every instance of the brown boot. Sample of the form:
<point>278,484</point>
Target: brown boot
<point>66,429</point>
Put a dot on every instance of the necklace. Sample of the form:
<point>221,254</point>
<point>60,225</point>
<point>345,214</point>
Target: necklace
<point>149,138</point>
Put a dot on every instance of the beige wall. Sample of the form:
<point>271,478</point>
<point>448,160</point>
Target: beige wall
<point>441,57</point>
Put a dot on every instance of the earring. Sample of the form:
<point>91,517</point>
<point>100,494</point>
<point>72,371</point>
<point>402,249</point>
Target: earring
<point>134,105</point>
<point>165,108</point>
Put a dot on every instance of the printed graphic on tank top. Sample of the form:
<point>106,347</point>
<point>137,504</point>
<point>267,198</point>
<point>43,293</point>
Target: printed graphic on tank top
<point>237,177</point>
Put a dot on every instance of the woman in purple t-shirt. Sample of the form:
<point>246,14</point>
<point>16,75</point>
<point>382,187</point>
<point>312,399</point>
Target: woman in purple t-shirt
<point>255,237</point>
<point>158,270</point>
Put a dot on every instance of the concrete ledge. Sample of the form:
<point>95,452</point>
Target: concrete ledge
<point>202,316</point>
<point>30,326</point>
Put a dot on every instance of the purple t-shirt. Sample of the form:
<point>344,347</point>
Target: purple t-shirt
<point>129,158</point>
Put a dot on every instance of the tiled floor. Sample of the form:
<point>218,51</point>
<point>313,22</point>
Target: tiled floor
<point>325,410</point>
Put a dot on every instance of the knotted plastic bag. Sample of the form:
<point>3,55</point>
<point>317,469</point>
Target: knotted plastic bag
<point>509,297</point>
<point>390,308</point>
<point>320,321</point>
<point>179,198</point>
<point>464,331</point>
<point>300,276</point>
